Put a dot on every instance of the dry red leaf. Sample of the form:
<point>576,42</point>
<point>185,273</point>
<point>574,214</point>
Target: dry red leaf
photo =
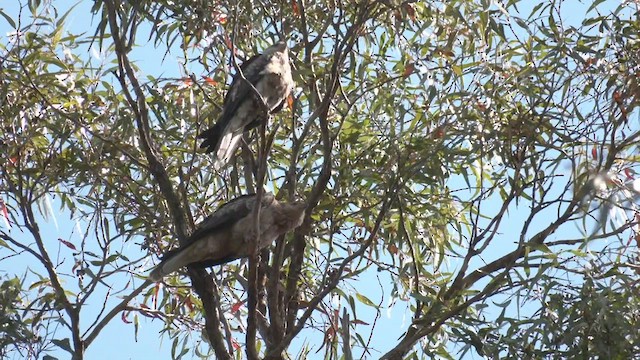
<point>235,344</point>
<point>67,244</point>
<point>617,96</point>
<point>295,7</point>
<point>189,303</point>
<point>156,290</point>
<point>235,307</point>
<point>629,173</point>
<point>3,209</point>
<point>590,61</point>
<point>329,333</point>
<point>227,41</point>
<point>411,11</point>
<point>290,102</point>
<point>445,52</point>
<point>409,69</point>
<point>438,132</point>
<point>220,17</point>
<point>392,249</point>
<point>397,15</point>
<point>210,81</point>
<point>594,152</point>
<point>637,234</point>
<point>124,317</point>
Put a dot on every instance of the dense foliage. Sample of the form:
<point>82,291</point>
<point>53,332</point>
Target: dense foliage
<point>471,164</point>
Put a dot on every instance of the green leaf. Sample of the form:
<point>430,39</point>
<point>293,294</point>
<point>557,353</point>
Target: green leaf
<point>365,300</point>
<point>8,18</point>
<point>4,244</point>
<point>63,344</point>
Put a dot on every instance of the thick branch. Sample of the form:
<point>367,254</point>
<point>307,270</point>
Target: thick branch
<point>333,281</point>
<point>202,282</point>
<point>115,311</point>
<point>43,256</point>
<point>72,311</point>
<point>430,323</point>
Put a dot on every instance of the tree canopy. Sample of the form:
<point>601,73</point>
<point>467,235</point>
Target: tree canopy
<point>471,164</point>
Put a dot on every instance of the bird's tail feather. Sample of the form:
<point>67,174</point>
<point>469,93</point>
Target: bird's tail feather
<point>172,262</point>
<point>227,148</point>
<point>211,138</point>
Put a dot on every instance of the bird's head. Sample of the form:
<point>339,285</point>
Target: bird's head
<point>279,47</point>
<point>267,199</point>
<point>292,213</point>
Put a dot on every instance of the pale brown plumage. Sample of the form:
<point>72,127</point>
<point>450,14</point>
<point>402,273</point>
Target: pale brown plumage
<point>270,74</point>
<point>229,233</point>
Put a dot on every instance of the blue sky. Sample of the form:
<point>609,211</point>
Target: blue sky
<point>117,340</point>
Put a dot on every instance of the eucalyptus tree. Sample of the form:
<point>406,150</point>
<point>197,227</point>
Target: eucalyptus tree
<point>471,164</point>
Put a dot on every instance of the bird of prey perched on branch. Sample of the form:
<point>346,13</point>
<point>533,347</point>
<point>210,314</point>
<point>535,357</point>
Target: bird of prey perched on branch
<point>229,233</point>
<point>270,75</point>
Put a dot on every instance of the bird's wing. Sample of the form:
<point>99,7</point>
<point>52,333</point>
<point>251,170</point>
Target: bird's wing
<point>221,219</point>
<point>214,228</point>
<point>253,70</point>
<point>214,262</point>
<point>238,92</point>
<point>267,199</point>
<point>239,88</point>
<point>225,216</point>
<point>279,107</point>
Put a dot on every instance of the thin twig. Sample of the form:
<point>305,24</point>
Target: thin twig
<point>115,311</point>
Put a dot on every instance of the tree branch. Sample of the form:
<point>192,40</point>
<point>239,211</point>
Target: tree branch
<point>114,311</point>
<point>202,282</point>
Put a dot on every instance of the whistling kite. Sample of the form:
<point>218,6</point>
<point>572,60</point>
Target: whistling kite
<point>270,74</point>
<point>229,233</point>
